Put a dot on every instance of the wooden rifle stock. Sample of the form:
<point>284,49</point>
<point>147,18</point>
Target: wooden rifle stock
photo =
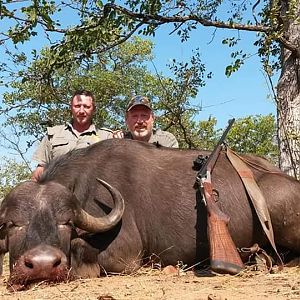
<point>224,257</point>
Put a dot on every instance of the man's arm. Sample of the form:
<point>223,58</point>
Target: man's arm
<point>42,155</point>
<point>37,172</point>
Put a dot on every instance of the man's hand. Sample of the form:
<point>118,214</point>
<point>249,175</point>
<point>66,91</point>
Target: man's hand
<point>118,134</point>
<point>37,173</point>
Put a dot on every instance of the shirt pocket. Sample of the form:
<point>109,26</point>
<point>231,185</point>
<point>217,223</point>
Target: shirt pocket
<point>60,146</point>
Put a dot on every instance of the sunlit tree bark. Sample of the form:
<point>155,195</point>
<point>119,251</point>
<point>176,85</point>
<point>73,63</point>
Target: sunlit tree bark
<point>288,98</point>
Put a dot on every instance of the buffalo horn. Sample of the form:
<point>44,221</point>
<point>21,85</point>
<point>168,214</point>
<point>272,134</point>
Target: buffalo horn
<point>89,223</point>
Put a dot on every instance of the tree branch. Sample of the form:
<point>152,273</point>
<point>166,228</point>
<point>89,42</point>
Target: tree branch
<point>155,19</point>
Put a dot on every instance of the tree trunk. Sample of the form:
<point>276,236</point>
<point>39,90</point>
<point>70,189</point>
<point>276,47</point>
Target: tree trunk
<point>288,101</point>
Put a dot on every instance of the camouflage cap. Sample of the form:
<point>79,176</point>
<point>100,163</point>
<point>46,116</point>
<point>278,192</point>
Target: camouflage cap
<point>138,100</point>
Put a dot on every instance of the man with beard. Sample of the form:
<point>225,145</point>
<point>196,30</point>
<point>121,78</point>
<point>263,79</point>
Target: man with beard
<point>139,120</point>
<point>79,133</point>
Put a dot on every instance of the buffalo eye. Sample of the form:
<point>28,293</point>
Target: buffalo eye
<point>71,224</point>
<point>10,224</point>
<point>68,223</point>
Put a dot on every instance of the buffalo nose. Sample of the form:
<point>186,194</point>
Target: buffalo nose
<point>48,261</point>
<point>43,262</point>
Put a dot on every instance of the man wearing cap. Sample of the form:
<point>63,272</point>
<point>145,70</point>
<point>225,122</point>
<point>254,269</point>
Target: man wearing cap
<point>79,133</point>
<point>139,119</point>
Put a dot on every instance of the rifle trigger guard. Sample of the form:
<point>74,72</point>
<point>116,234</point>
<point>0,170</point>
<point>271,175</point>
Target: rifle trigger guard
<point>216,195</point>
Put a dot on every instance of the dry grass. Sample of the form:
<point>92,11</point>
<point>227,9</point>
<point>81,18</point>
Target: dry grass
<point>152,283</point>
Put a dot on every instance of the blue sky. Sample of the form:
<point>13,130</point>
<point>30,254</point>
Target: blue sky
<point>245,93</point>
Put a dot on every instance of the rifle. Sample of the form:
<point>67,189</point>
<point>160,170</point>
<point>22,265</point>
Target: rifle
<point>224,257</point>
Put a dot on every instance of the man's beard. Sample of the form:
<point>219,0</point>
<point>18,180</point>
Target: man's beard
<point>141,135</point>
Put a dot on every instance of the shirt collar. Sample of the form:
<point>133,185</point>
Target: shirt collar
<point>91,129</point>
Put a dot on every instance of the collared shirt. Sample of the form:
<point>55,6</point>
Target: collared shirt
<point>163,138</point>
<point>63,138</point>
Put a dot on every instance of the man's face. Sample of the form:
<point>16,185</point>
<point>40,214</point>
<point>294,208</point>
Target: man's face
<point>82,109</point>
<point>139,121</point>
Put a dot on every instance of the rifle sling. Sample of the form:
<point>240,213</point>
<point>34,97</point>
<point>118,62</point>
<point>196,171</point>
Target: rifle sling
<point>256,197</point>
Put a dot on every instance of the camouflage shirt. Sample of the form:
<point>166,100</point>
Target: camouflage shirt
<point>63,138</point>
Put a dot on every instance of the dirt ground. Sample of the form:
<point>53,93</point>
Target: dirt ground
<point>156,284</point>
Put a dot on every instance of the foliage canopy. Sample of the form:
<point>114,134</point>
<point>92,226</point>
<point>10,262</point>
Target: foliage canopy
<point>90,45</point>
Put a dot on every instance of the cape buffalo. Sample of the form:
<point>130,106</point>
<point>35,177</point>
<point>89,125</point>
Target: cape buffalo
<point>67,223</point>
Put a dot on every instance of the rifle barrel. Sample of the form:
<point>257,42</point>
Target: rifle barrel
<point>211,160</point>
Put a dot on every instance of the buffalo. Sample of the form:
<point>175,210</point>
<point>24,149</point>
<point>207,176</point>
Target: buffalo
<point>112,206</point>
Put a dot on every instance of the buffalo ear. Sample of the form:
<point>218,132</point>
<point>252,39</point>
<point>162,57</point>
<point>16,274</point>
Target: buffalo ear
<point>3,238</point>
<point>3,230</point>
<point>3,245</point>
<point>1,263</point>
